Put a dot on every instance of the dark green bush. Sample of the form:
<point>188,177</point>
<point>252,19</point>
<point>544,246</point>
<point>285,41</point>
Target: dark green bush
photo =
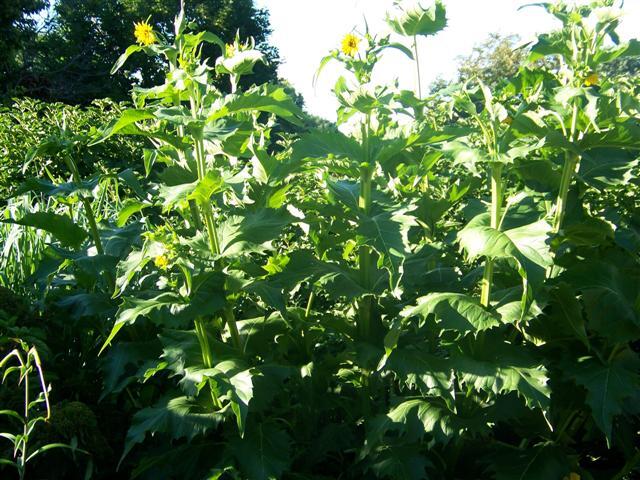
<point>26,122</point>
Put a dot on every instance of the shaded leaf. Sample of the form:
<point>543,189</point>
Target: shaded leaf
<point>608,386</point>
<point>264,452</point>
<point>454,311</point>
<point>60,226</point>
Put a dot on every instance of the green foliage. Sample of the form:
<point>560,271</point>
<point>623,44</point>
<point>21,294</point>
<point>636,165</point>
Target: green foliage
<point>450,296</point>
<point>493,61</point>
<point>27,122</point>
<point>17,28</point>
<point>24,452</point>
<point>71,58</point>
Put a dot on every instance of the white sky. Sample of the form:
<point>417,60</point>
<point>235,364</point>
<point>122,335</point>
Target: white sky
<point>305,31</point>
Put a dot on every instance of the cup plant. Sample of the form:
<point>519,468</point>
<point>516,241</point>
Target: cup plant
<point>443,286</point>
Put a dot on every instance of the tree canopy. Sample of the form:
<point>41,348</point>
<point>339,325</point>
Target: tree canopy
<point>69,59</point>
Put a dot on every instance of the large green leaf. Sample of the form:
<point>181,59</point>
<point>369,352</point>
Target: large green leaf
<point>130,207</point>
<point>527,245</point>
<point>60,226</point>
<point>327,145</point>
<point>83,305</point>
<point>241,63</point>
<point>127,119</point>
<point>338,280</point>
<point>497,366</point>
<point>420,416</point>
<point>132,308</point>
<point>178,417</point>
<point>123,58</point>
<point>181,351</point>
<point>50,189</point>
<point>125,362</point>
<point>387,233</point>
<point>264,453</point>
<point>134,263</point>
<point>253,232</point>
<point>609,291</point>
<point>630,49</point>
<point>463,154</point>
<point>608,386</point>
<point>454,311</point>
<point>400,463</point>
<point>604,167</point>
<point>207,295</point>
<point>622,134</point>
<point>200,190</point>
<point>241,391</point>
<point>265,98</point>
<point>230,379</point>
<point>347,193</point>
<point>563,321</point>
<point>417,20</point>
<point>533,463</point>
<point>416,368</point>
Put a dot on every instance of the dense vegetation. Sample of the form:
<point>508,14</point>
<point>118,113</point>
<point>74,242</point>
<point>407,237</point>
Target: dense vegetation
<point>62,50</point>
<point>444,287</point>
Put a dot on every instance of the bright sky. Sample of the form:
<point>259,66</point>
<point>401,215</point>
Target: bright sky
<point>304,31</point>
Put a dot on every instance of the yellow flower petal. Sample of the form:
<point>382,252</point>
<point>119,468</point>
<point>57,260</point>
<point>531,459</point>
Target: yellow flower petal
<point>592,80</point>
<point>161,261</point>
<point>144,33</point>
<point>350,44</point>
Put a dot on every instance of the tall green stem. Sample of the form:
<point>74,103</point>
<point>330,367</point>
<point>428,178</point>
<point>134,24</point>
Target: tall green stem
<point>415,53</point>
<point>568,170</point>
<point>95,234</point>
<point>364,260</point>
<point>203,340</point>
<point>307,311</point>
<point>230,318</point>
<point>496,212</point>
<point>570,162</point>
<point>207,213</point>
<point>91,218</point>
<point>193,207</point>
<point>207,354</point>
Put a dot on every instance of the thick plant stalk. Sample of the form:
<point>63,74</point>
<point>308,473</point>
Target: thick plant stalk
<point>364,255</point>
<point>207,355</point>
<point>203,340</point>
<point>230,319</point>
<point>207,213</point>
<point>568,170</point>
<point>415,53</point>
<point>496,212</point>
<point>95,234</point>
<point>570,162</point>
<point>91,218</point>
<point>307,311</point>
<point>193,207</point>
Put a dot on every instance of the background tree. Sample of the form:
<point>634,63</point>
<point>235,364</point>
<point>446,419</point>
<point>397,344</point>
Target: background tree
<point>493,60</point>
<point>83,39</point>
<point>17,32</point>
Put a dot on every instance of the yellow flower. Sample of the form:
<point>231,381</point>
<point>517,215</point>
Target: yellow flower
<point>591,80</point>
<point>161,261</point>
<point>350,44</point>
<point>144,33</point>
